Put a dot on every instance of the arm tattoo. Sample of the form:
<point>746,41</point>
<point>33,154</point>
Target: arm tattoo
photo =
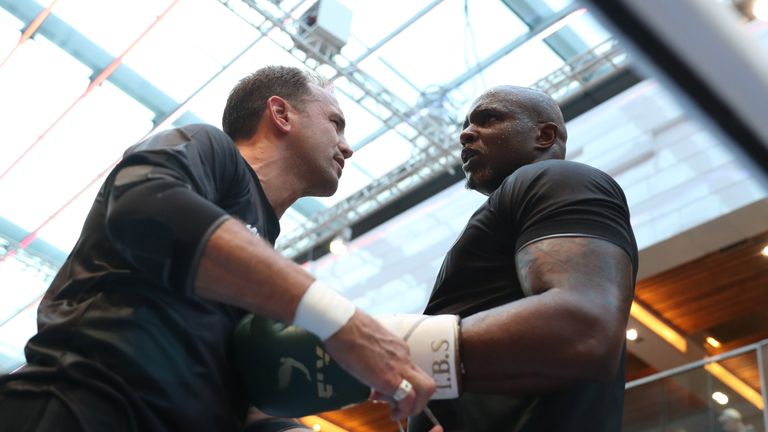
<point>542,260</point>
<point>598,267</point>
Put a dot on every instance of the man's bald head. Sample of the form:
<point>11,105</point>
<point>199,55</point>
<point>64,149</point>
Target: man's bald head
<point>506,128</point>
<point>537,105</point>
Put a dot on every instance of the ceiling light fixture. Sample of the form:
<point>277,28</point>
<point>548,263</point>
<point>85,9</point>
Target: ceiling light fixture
<point>338,245</point>
<point>736,384</point>
<point>656,325</point>
<point>764,251</point>
<point>631,334</point>
<point>720,397</point>
<point>714,343</point>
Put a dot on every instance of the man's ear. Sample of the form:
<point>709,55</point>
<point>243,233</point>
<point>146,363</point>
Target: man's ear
<point>278,110</point>
<point>547,135</point>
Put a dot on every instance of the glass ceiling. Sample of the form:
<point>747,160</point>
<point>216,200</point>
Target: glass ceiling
<point>160,63</point>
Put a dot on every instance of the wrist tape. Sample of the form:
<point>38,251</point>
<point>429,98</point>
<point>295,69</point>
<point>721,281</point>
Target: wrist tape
<point>433,341</point>
<point>323,311</point>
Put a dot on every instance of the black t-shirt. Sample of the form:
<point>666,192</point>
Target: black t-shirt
<point>122,338</point>
<point>549,198</point>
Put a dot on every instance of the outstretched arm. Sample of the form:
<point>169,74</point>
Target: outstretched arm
<point>571,326</point>
<point>240,269</point>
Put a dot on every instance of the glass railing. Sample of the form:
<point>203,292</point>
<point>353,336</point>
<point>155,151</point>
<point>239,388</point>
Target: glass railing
<point>722,393</point>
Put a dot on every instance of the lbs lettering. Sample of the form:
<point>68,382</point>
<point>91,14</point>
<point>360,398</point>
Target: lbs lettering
<point>441,367</point>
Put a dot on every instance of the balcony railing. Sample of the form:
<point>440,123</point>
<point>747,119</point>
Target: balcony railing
<point>721,393</point>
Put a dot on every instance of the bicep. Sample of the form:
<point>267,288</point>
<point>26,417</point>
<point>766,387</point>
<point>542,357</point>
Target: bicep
<point>592,271</point>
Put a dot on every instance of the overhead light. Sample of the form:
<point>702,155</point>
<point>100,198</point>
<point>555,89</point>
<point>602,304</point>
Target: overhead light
<point>659,327</point>
<point>316,427</point>
<point>736,384</point>
<point>338,245</point>
<point>720,397</point>
<point>760,10</point>
<point>631,334</point>
<point>764,252</point>
<point>713,342</point>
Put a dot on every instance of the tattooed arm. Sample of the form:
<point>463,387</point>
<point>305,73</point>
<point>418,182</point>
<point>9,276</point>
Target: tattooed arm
<point>570,326</point>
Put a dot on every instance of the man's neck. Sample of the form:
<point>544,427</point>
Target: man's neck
<point>281,190</point>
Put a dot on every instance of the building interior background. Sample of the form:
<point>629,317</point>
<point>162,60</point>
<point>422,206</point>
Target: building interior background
<point>82,80</point>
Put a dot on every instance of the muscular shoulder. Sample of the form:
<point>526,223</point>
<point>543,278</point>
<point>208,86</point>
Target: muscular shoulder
<point>557,179</point>
<point>558,171</point>
<point>557,197</point>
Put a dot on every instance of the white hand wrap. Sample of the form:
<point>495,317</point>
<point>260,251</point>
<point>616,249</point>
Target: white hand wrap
<point>323,311</point>
<point>434,344</point>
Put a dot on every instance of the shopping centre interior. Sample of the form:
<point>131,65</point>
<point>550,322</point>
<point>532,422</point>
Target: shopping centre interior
<point>82,81</point>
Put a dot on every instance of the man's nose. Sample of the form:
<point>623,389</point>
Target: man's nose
<point>467,136</point>
<point>346,150</point>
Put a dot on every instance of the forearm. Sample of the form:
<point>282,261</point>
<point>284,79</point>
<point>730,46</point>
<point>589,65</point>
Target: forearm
<point>540,343</point>
<point>240,269</point>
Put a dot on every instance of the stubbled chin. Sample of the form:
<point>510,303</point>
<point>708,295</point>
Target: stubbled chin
<point>480,182</point>
<point>475,177</point>
<point>471,183</point>
<point>328,188</point>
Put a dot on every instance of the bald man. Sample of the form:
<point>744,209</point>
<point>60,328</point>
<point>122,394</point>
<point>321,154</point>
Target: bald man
<point>542,276</point>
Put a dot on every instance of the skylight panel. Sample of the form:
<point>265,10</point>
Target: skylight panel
<point>445,41</point>
<point>522,67</point>
<point>589,30</point>
<point>71,155</point>
<point>210,101</point>
<point>383,154</point>
<point>10,32</point>
<point>360,123</point>
<point>112,24</point>
<point>38,83</point>
<point>372,24</point>
<point>64,230</point>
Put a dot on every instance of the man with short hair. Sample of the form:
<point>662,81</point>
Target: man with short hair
<point>134,331</point>
<point>542,276</point>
